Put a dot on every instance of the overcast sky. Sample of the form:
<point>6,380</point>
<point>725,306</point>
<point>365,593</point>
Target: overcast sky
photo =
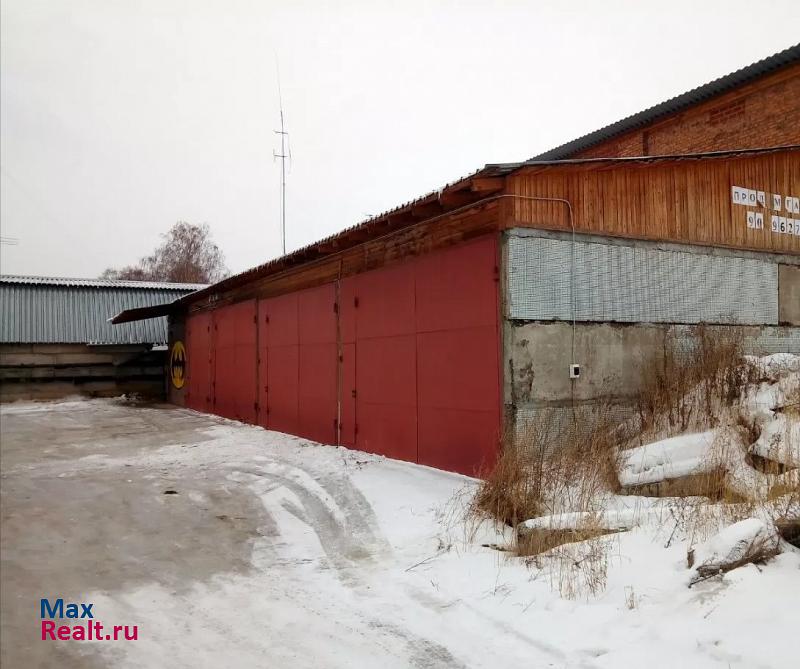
<point>120,118</point>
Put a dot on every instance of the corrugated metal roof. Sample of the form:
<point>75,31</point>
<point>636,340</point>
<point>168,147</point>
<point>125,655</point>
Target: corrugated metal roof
<point>57,313</point>
<point>98,283</point>
<point>374,226</point>
<point>676,104</point>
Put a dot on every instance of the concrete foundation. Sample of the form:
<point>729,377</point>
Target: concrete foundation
<point>49,371</point>
<point>612,357</point>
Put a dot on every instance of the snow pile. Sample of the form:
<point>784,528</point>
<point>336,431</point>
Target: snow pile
<point>749,540</point>
<point>767,407</point>
<point>706,467</point>
<point>618,513</point>
<point>666,459</point>
<point>770,408</point>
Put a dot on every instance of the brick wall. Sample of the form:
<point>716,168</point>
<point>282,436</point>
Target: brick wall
<point>761,114</point>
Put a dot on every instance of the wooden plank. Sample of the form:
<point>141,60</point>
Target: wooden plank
<point>686,201</point>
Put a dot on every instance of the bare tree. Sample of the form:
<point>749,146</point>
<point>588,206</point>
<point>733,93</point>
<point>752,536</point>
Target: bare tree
<point>186,255</point>
<point>129,273</point>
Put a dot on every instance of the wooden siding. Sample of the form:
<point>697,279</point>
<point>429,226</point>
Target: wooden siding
<point>687,201</point>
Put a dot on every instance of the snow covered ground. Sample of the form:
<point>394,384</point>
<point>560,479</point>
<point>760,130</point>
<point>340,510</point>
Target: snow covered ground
<point>361,561</point>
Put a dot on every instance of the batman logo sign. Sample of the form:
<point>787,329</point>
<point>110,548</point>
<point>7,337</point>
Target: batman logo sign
<point>177,364</point>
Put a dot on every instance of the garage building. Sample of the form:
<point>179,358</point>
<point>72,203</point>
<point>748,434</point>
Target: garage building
<point>428,331</point>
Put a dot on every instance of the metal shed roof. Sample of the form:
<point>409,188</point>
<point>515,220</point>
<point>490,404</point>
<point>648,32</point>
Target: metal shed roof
<point>98,283</point>
<point>676,104</point>
<point>38,310</point>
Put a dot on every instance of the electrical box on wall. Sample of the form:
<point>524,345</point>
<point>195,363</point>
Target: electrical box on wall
<point>574,371</point>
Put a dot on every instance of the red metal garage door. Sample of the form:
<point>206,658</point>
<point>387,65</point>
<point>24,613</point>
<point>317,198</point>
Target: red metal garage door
<point>198,361</point>
<point>278,342</point>
<point>414,375</point>
<point>235,366</point>
<point>317,364</point>
<point>347,334</point>
<point>458,357</point>
<point>386,393</point>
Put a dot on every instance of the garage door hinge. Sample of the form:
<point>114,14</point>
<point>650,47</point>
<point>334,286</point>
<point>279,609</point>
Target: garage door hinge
<point>353,393</point>
<point>355,302</point>
<point>336,307</point>
<point>255,406</point>
<point>355,429</point>
<point>266,318</point>
<point>255,319</point>
<point>335,423</point>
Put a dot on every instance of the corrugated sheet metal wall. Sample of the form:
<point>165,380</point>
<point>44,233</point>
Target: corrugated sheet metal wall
<point>66,314</point>
<point>630,283</point>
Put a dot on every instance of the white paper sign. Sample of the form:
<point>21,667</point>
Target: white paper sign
<point>781,224</point>
<point>751,219</point>
<point>790,225</point>
<point>776,202</point>
<point>795,205</point>
<point>761,198</point>
<point>775,223</point>
<point>759,221</point>
<point>739,195</point>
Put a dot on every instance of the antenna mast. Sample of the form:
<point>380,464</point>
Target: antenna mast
<point>283,156</point>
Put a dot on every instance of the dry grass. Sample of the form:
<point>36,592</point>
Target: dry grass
<point>758,551</point>
<point>712,484</point>
<point>552,465</point>
<point>696,388</point>
<point>555,465</point>
<point>551,462</point>
<point>534,542</point>
<point>578,569</point>
<point>509,493</point>
<point>792,405</point>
